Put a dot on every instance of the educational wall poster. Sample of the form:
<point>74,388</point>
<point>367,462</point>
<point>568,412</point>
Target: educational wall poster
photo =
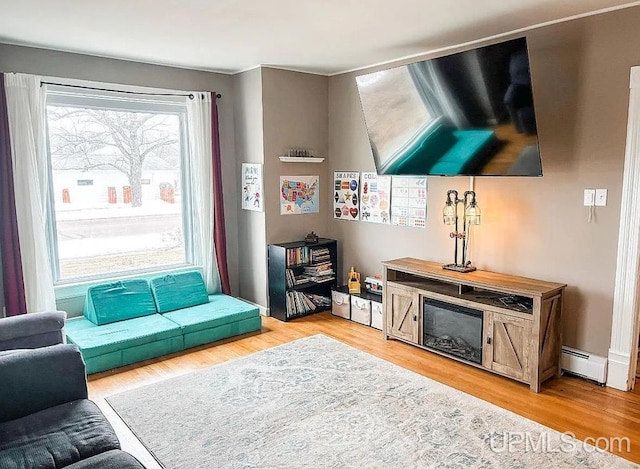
<point>375,198</point>
<point>409,201</point>
<point>252,187</point>
<point>299,195</point>
<point>346,203</point>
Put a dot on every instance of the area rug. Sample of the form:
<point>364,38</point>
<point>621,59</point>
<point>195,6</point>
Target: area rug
<point>317,403</point>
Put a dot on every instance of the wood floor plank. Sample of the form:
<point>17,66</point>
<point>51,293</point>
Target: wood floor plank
<point>565,403</point>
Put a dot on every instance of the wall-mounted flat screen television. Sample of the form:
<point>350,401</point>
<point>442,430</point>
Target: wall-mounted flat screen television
<point>466,114</point>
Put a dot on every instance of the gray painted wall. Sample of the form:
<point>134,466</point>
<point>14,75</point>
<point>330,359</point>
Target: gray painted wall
<point>66,65</point>
<point>535,227</point>
<point>248,119</point>
<point>277,110</point>
<point>295,116</point>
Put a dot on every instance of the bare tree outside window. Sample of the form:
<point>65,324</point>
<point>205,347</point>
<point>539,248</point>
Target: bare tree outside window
<point>129,218</point>
<point>85,139</point>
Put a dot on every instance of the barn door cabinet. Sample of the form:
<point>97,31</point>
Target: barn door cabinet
<point>401,310</point>
<point>507,340</point>
<point>505,324</point>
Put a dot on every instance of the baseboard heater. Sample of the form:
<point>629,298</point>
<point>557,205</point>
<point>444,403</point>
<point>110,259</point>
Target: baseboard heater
<point>584,364</point>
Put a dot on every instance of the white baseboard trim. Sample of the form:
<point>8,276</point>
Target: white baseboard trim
<point>618,370</point>
<point>263,311</point>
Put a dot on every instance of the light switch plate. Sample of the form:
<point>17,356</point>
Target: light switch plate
<point>601,197</point>
<point>589,197</point>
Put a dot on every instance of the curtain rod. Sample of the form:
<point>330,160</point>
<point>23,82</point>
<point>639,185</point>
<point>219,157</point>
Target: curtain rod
<point>190,95</point>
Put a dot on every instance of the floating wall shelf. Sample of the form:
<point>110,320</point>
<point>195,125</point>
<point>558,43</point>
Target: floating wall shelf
<point>301,159</point>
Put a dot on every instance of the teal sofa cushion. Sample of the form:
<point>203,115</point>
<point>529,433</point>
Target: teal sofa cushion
<point>111,302</point>
<point>212,334</point>
<point>178,291</point>
<point>125,342</point>
<point>93,340</point>
<point>133,354</point>
<point>219,310</point>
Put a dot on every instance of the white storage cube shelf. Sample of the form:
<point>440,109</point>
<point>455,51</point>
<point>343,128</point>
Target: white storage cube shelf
<point>340,305</point>
<point>376,314</point>
<point>364,308</point>
<point>361,310</point>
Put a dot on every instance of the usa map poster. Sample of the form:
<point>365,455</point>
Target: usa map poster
<point>299,195</point>
<point>346,203</point>
<point>375,198</point>
<point>409,201</point>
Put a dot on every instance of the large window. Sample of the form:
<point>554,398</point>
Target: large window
<point>119,197</point>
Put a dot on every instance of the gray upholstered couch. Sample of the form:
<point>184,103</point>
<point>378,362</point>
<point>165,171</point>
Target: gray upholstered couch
<point>32,330</point>
<point>46,419</point>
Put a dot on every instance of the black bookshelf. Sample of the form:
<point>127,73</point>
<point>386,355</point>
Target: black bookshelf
<point>291,294</point>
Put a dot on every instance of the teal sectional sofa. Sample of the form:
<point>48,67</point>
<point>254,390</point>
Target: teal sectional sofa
<point>134,320</point>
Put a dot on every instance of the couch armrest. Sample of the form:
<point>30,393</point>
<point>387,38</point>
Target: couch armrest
<point>33,380</point>
<point>32,330</point>
<point>114,459</point>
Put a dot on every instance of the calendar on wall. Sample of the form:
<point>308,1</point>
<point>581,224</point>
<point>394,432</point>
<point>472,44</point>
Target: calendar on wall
<point>409,201</point>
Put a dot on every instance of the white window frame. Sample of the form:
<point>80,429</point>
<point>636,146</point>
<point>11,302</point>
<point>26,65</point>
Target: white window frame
<point>117,101</point>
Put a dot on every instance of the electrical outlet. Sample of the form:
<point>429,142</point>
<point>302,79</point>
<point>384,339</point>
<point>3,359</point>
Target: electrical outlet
<point>589,197</point>
<point>601,197</point>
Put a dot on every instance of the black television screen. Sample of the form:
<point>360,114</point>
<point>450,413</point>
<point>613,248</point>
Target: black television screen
<point>465,114</point>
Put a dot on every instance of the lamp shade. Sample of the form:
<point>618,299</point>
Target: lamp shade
<point>472,214</point>
<point>449,214</point>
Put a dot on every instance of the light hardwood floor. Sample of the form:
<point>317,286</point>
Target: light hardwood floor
<point>565,403</point>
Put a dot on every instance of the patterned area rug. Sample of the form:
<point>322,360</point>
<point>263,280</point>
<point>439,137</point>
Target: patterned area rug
<point>317,403</point>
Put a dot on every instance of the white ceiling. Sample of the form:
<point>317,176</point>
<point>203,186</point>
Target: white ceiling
<point>318,36</point>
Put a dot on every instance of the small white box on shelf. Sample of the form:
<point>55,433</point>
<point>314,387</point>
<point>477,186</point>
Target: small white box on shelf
<point>340,305</point>
<point>373,284</point>
<point>376,314</point>
<point>360,310</point>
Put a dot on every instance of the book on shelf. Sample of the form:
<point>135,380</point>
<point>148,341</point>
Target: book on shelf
<point>294,280</point>
<point>297,256</point>
<point>318,269</point>
<point>319,255</point>
<point>319,300</point>
<point>299,303</point>
<point>323,278</point>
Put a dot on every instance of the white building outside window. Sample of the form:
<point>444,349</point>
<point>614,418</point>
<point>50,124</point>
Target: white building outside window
<point>119,197</point>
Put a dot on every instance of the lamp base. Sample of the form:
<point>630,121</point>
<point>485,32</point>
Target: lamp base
<point>459,268</point>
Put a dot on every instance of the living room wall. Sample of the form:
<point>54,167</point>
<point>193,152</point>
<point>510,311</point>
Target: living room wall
<point>534,227</point>
<point>249,133</point>
<point>85,67</point>
<point>276,110</point>
<point>295,116</point>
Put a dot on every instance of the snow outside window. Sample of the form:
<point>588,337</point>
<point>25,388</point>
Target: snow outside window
<point>118,192</point>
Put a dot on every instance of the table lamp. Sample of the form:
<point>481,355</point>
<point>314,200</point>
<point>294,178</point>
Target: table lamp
<point>471,216</point>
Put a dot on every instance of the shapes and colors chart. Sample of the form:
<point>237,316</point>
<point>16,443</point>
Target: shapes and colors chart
<point>346,195</point>
<point>375,198</point>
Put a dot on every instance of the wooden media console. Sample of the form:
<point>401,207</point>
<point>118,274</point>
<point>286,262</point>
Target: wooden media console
<point>505,324</point>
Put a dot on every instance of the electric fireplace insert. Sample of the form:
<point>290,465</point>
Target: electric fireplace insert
<point>452,329</point>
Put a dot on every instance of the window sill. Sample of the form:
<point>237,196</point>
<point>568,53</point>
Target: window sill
<point>75,290</point>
